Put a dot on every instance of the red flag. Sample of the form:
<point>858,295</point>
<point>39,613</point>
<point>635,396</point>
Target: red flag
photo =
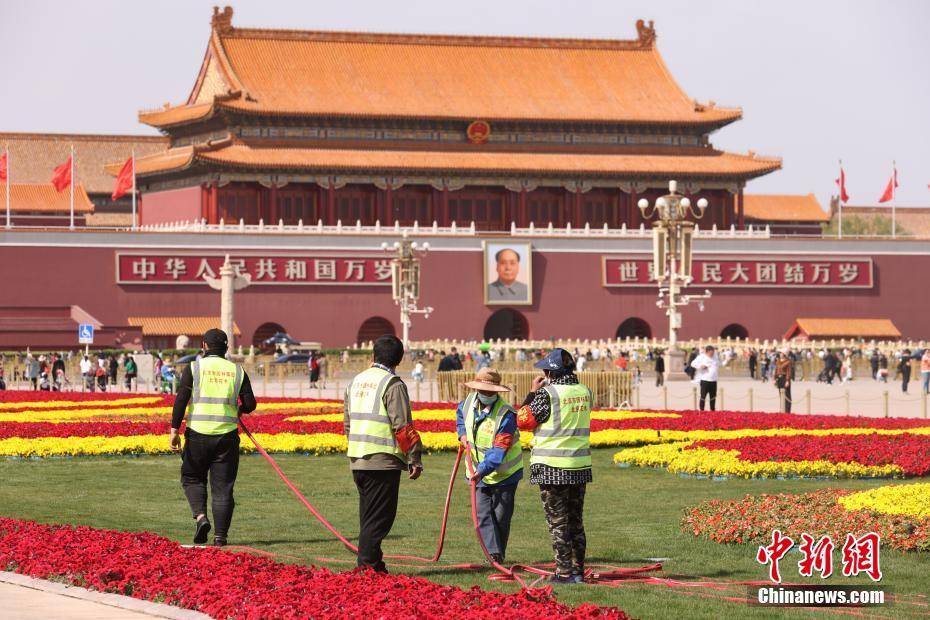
<point>841,183</point>
<point>124,180</point>
<point>3,172</point>
<point>61,177</point>
<point>892,185</point>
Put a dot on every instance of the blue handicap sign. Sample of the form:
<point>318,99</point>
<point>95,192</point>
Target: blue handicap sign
<point>86,333</point>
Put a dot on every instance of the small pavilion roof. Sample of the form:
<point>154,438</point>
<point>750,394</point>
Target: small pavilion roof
<point>33,156</point>
<point>176,325</point>
<point>44,198</point>
<point>783,208</point>
<point>843,328</point>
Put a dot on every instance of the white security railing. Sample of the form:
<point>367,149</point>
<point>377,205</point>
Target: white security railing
<point>416,230</point>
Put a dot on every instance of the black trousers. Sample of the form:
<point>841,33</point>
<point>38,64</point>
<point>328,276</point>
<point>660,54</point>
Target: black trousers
<point>377,509</point>
<point>905,378</point>
<point>787,391</point>
<point>218,457</point>
<point>709,390</point>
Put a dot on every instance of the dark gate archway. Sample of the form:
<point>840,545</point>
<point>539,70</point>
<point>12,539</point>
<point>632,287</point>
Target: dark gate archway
<point>373,328</point>
<point>264,332</point>
<point>736,331</point>
<point>507,323</point>
<point>634,327</point>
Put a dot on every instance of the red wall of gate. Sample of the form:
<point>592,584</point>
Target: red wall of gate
<point>569,300</point>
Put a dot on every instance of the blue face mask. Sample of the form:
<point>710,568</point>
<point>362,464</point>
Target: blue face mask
<point>486,399</point>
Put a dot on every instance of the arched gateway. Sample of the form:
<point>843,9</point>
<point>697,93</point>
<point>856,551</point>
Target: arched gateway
<point>507,323</point>
<point>634,327</point>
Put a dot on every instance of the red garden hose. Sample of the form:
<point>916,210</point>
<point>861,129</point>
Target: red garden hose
<point>504,574</point>
<point>329,526</point>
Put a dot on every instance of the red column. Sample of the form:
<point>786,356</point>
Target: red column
<point>524,216</point>
<point>389,205</point>
<point>273,203</point>
<point>444,215</point>
<point>576,210</point>
<point>204,203</point>
<point>331,202</point>
<point>742,219</point>
<point>634,210</point>
<point>213,214</point>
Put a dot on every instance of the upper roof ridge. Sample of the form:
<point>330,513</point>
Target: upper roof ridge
<point>222,25</point>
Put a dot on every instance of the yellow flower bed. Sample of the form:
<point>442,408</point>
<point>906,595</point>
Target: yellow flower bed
<point>60,404</point>
<point>73,415</point>
<point>901,499</point>
<point>318,443</point>
<point>439,415</point>
<point>676,459</point>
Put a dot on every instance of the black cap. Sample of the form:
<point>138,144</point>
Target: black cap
<point>216,339</point>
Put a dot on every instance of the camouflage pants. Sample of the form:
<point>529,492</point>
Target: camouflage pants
<point>564,506</point>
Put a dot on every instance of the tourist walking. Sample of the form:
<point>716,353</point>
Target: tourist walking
<point>783,377</point>
<point>450,362</point>
<point>313,365</point>
<point>113,368</point>
<point>487,429</point>
<point>31,371</point>
<point>753,363</point>
<point>904,369</point>
<point>660,369</point>
<point>86,376</point>
<point>883,368</point>
<point>218,392</point>
<point>131,371</point>
<point>706,370</point>
<point>925,370</point>
<point>558,413</point>
<point>382,442</point>
<point>417,373</point>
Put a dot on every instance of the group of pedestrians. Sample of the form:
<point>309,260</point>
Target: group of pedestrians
<point>383,443</point>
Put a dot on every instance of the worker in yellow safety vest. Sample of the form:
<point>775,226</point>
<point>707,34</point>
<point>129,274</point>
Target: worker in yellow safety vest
<point>382,442</point>
<point>558,412</point>
<point>487,429</point>
<point>218,391</point>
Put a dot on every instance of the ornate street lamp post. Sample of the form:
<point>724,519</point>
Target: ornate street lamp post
<point>405,280</point>
<point>672,237</point>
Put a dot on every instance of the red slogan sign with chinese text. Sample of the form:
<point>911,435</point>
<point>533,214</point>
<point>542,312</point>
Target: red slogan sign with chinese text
<point>749,272</point>
<point>278,269</point>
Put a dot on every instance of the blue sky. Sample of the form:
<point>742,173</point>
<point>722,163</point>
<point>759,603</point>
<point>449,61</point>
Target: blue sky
<point>817,80</point>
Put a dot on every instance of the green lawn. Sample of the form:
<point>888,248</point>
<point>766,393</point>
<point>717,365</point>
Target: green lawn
<point>631,514</point>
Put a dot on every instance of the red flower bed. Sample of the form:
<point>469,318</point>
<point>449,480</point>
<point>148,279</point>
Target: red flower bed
<point>908,451</point>
<point>237,585</point>
<point>752,519</point>
<point>734,420</point>
<point>271,423</point>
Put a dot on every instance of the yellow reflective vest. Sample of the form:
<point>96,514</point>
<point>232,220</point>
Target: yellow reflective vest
<point>482,440</point>
<point>214,405</point>
<point>564,440</point>
<point>370,430</point>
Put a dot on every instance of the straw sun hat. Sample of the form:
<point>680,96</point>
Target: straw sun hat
<point>487,380</point>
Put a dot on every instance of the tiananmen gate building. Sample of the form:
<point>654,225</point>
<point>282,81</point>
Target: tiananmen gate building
<point>299,153</point>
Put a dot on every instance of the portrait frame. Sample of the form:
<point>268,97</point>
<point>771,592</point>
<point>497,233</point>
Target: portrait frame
<point>524,251</point>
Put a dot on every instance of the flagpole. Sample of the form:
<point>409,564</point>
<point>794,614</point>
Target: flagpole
<point>9,179</point>
<point>72,187</point>
<point>133,155</point>
<point>894,199</point>
<point>842,183</point>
